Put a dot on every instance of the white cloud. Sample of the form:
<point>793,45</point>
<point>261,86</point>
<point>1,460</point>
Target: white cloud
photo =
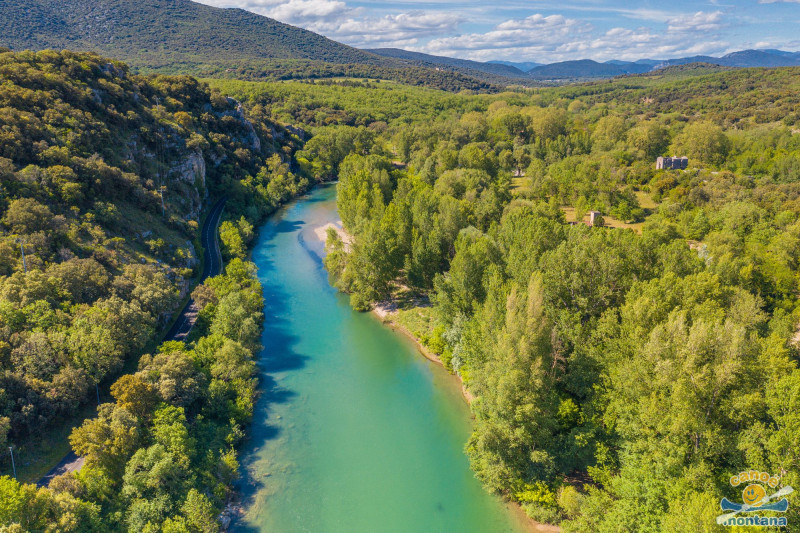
<point>395,30</point>
<point>537,37</point>
<point>557,38</point>
<point>534,34</point>
<point>301,12</point>
<point>335,19</point>
<point>700,21</point>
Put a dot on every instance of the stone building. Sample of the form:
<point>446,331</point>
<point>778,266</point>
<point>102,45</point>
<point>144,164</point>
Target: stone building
<point>672,163</point>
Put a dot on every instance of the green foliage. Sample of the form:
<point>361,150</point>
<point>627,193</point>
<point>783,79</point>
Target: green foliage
<point>84,148</point>
<point>650,364</point>
<point>646,365</point>
<point>232,241</point>
<point>144,467</point>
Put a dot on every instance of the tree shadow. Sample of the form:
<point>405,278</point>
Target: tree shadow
<point>279,354</point>
<point>284,226</point>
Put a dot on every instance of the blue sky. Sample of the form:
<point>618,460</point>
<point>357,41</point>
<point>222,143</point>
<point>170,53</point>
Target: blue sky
<point>545,31</point>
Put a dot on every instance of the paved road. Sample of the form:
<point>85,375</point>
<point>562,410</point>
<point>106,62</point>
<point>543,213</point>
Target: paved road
<point>212,266</point>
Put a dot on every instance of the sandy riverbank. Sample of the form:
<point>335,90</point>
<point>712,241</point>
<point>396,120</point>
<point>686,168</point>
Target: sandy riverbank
<point>322,233</point>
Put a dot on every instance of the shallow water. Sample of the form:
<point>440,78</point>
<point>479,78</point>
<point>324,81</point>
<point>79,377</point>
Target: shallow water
<point>355,431</point>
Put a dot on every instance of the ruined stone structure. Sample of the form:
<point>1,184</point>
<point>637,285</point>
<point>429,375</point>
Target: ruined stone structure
<point>672,163</point>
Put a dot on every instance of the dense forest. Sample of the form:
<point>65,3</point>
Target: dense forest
<point>103,179</point>
<point>621,373</point>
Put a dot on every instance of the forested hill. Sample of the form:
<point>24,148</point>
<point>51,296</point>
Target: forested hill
<point>161,32</point>
<point>184,37</point>
<point>85,149</point>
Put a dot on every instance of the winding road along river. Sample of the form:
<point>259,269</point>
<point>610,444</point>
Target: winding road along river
<point>355,431</point>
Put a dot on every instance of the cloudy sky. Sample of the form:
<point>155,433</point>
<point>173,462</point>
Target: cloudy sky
<point>545,31</point>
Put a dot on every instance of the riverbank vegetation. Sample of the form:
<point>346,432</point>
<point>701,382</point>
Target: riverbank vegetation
<point>103,175</point>
<point>161,456</point>
<point>620,377</point>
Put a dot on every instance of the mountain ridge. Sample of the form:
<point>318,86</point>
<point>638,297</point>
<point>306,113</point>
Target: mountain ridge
<point>591,69</point>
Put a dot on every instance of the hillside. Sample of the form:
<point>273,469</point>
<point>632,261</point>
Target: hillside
<point>103,177</point>
<point>586,68</point>
<point>524,66</point>
<point>743,59</point>
<point>157,33</point>
<point>180,37</point>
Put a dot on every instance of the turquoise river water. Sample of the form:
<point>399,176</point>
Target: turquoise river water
<point>354,431</point>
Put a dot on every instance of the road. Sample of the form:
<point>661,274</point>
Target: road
<point>212,266</point>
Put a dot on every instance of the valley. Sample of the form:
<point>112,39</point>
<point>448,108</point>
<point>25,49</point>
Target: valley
<point>211,221</point>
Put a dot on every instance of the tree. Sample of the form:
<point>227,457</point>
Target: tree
<point>233,319</point>
<point>174,377</point>
<point>200,513</point>
<point>135,396</point>
<point>26,215</point>
<point>516,421</point>
<point>105,333</point>
<point>171,431</point>
<point>232,242</point>
<point>608,131</point>
<point>703,141</point>
<point>108,440</point>
<point>548,123</point>
<point>149,286</point>
<point>650,138</point>
<point>85,280</point>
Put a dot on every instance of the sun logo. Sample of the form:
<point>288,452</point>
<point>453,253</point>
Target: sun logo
<point>755,499</point>
<point>753,495</point>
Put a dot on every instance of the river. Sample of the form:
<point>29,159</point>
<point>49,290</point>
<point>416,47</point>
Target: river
<point>354,431</point>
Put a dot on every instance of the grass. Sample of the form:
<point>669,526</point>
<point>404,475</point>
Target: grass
<point>610,221</point>
<point>519,185</point>
<point>645,201</point>
<point>418,321</point>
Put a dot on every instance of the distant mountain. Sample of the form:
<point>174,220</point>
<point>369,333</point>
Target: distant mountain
<point>524,66</point>
<point>634,65</point>
<point>779,52</point>
<point>587,69</point>
<point>760,58</point>
<point>463,65</point>
<point>742,59</point>
<point>583,68</point>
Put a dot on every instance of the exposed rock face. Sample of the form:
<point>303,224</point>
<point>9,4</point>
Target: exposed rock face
<point>191,168</point>
<point>190,175</point>
<point>251,139</point>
